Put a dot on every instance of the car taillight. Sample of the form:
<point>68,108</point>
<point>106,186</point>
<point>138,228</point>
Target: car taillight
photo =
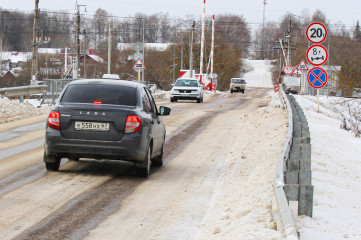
<point>97,102</point>
<point>54,120</point>
<point>133,124</point>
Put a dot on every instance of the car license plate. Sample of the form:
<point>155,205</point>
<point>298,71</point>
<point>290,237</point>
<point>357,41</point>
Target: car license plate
<point>91,126</point>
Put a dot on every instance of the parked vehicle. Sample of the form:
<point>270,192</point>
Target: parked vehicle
<point>237,85</point>
<point>106,119</point>
<point>187,89</point>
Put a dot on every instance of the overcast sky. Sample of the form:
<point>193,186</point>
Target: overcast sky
<point>346,11</point>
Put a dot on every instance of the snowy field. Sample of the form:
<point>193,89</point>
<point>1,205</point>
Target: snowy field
<point>336,172</point>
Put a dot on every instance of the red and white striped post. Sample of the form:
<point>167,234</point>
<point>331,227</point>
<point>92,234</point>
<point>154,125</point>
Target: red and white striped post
<point>212,52</point>
<point>202,40</point>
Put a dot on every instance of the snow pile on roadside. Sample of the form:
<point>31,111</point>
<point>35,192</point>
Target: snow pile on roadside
<point>15,110</point>
<point>336,169</point>
<point>241,207</point>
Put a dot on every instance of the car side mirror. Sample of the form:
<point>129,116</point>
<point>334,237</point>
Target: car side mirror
<point>164,111</point>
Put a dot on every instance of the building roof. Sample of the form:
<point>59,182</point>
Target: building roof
<point>154,46</point>
<point>16,57</point>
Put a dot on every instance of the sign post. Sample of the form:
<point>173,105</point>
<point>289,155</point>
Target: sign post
<point>301,67</point>
<point>317,78</point>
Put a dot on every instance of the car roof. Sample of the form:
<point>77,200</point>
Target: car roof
<point>188,79</point>
<point>108,82</point>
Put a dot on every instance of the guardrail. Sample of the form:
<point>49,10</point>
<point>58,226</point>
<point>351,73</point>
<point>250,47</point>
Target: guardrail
<point>23,91</point>
<point>293,173</point>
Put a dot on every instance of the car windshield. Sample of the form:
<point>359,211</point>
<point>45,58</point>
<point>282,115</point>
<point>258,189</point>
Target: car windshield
<point>186,83</point>
<point>238,81</point>
<point>106,94</point>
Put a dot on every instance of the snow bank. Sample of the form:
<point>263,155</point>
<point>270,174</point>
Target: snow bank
<point>14,110</point>
<point>241,207</point>
<point>336,169</point>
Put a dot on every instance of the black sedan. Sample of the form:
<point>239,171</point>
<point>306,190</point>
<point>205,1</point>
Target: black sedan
<point>106,119</point>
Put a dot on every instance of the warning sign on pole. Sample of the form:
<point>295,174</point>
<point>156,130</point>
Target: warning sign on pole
<point>139,64</point>
<point>302,65</point>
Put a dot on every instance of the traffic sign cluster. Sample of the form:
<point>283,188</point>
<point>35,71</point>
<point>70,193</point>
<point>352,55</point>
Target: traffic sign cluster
<point>317,55</point>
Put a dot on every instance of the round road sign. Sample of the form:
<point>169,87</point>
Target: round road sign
<point>317,77</point>
<point>316,32</point>
<point>288,69</point>
<point>138,46</point>
<point>317,55</point>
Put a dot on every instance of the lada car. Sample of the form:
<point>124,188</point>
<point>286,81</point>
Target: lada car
<point>106,119</point>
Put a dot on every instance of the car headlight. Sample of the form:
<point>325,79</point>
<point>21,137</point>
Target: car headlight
<point>175,91</point>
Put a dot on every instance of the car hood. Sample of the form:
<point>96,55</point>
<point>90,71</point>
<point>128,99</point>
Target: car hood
<point>185,88</point>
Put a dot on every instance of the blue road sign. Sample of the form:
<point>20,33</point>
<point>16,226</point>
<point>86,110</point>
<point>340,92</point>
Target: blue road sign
<point>317,77</point>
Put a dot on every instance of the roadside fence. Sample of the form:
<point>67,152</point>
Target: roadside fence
<point>293,173</point>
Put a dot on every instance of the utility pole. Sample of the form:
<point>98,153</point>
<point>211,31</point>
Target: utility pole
<point>77,7</point>
<point>263,26</point>
<point>182,53</point>
<point>85,54</point>
<point>289,42</point>
<point>34,67</point>
<point>1,54</point>
<point>173,62</point>
<point>109,47</point>
<point>143,49</point>
<point>191,50</point>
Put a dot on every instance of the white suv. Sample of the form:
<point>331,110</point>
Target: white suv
<point>187,89</point>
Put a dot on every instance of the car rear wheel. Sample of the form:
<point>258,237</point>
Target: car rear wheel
<point>142,170</point>
<point>52,163</point>
<point>158,161</point>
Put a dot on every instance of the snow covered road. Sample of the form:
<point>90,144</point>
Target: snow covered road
<point>216,183</point>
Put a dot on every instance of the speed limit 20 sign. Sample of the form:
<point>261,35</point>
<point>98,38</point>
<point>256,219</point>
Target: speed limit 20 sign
<point>316,32</point>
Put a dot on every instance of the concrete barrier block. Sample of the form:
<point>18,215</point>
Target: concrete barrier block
<point>295,154</point>
<point>293,164</point>
<point>305,164</point>
<point>291,192</point>
<point>305,177</point>
<point>291,177</point>
<point>305,200</point>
